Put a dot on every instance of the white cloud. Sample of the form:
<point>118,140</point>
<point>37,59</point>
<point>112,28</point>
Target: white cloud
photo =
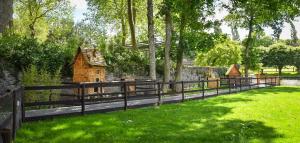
<point>79,4</point>
<point>80,8</point>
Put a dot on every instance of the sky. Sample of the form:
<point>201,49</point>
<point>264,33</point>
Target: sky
<point>81,7</point>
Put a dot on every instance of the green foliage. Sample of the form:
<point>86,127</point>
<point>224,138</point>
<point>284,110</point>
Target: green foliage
<point>296,58</point>
<point>37,77</point>
<point>20,52</point>
<point>38,19</point>
<point>255,57</point>
<point>222,54</point>
<point>51,57</point>
<point>122,60</point>
<point>278,55</point>
<point>23,52</point>
<point>263,40</point>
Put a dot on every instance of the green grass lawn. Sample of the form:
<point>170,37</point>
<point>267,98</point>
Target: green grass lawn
<point>263,115</point>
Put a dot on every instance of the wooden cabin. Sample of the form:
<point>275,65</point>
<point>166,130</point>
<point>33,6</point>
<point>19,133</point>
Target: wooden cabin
<point>233,71</point>
<point>89,66</point>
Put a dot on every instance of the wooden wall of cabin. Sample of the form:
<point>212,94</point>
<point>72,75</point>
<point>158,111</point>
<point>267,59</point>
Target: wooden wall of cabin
<point>95,74</point>
<point>83,72</point>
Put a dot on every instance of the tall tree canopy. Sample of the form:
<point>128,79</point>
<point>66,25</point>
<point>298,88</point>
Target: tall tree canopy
<point>253,15</point>
<point>223,54</point>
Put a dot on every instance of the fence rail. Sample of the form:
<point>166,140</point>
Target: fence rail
<point>82,98</point>
<point>89,97</point>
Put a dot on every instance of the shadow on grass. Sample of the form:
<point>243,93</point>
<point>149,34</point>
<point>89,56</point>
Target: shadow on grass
<point>195,121</point>
<point>272,90</point>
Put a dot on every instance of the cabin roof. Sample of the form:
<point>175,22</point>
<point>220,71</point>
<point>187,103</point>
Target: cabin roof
<point>232,67</point>
<point>92,56</point>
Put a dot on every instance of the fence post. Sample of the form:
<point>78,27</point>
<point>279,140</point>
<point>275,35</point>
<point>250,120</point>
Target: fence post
<point>135,92</point>
<point>82,98</point>
<point>202,89</point>
<point>235,87</point>
<point>125,95</point>
<point>101,88</point>
<point>265,81</point>
<point>250,80</point>
<point>22,103</point>
<point>158,93</point>
<point>240,84</point>
<point>14,125</point>
<point>229,85</point>
<point>217,86</point>
<point>271,82</point>
<point>182,90</point>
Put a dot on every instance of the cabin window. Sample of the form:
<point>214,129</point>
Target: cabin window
<point>97,71</point>
<point>96,89</point>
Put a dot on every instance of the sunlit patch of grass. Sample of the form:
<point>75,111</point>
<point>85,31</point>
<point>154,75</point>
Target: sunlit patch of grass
<point>262,115</point>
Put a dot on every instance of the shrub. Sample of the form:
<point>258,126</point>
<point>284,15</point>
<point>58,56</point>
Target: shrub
<point>278,55</point>
<point>36,77</point>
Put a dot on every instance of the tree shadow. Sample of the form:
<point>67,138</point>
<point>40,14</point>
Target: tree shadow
<point>194,121</point>
<point>273,90</point>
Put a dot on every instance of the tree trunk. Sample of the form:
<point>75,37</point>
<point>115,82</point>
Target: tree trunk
<point>248,47</point>
<point>6,15</point>
<point>298,69</point>
<point>280,71</point>
<point>179,62</point>
<point>134,11</point>
<point>293,33</point>
<point>168,42</point>
<point>235,33</point>
<point>131,24</point>
<point>124,34</point>
<point>123,21</point>
<point>32,30</point>
<point>151,39</point>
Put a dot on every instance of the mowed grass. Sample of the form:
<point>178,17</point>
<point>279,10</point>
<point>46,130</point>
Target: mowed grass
<point>263,116</point>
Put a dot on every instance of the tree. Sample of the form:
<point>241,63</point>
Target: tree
<point>291,10</point>
<point>234,23</point>
<point>109,12</point>
<point>190,20</point>
<point>278,55</point>
<point>6,15</point>
<point>131,24</point>
<point>61,24</point>
<point>296,58</point>
<point>253,14</point>
<point>151,39</point>
<point>293,33</point>
<point>166,11</point>
<point>277,27</point>
<point>222,54</point>
<point>32,12</point>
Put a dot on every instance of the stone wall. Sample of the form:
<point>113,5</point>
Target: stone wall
<point>9,78</point>
<point>195,73</point>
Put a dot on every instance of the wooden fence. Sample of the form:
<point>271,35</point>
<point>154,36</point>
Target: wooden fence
<point>83,101</point>
<point>14,107</point>
<point>10,114</point>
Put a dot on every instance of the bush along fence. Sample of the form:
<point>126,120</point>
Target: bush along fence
<point>40,102</point>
